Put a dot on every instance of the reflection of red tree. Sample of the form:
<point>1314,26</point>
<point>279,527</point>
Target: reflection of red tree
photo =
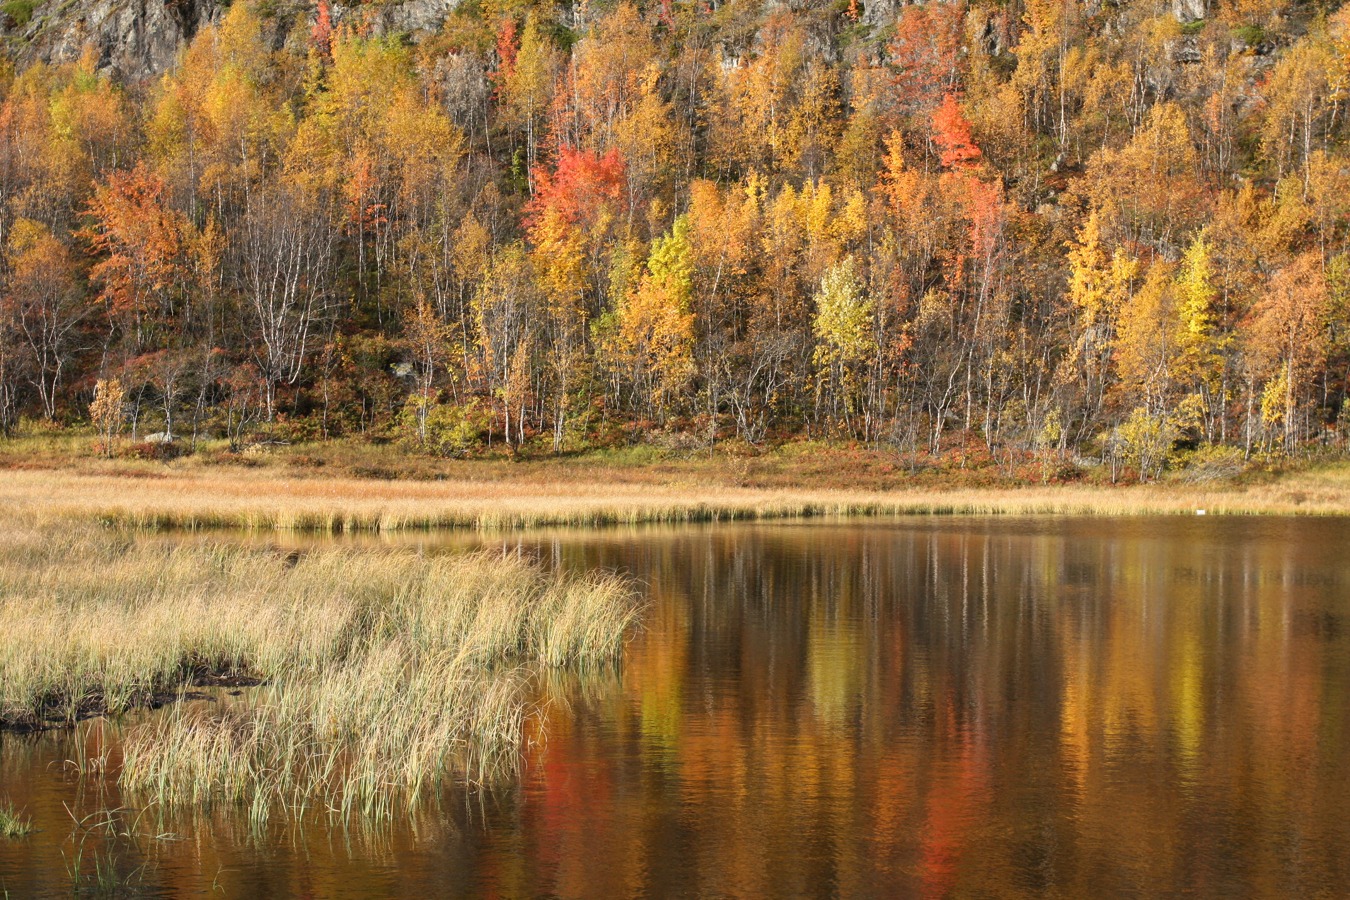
<point>569,814</point>
<point>955,797</point>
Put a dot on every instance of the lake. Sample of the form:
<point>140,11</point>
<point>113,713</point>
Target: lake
<point>937,706</point>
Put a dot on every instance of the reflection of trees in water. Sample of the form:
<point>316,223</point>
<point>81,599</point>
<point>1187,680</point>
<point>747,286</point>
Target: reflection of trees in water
<point>969,707</point>
<point>924,707</point>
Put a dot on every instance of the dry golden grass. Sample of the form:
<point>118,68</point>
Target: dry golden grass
<point>203,497</point>
<point>384,670</point>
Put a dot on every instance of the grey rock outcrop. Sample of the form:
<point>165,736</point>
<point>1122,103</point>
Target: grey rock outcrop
<point>412,17</point>
<point>879,13</point>
<point>1187,11</point>
<point>133,39</point>
<point>139,39</point>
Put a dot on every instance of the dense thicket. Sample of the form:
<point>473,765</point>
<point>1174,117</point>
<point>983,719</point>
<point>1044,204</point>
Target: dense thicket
<point>1033,224</point>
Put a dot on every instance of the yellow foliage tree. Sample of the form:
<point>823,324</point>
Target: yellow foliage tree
<point>656,325</point>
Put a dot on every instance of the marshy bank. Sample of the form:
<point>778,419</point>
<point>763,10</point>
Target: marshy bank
<point>190,497</point>
<point>381,672</point>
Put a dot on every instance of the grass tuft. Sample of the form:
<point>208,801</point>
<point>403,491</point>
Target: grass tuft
<point>12,823</point>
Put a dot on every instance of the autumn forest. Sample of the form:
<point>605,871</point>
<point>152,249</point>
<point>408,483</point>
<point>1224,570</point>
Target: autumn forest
<point>1099,230</point>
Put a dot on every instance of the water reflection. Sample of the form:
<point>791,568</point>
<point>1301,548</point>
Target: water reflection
<point>926,707</point>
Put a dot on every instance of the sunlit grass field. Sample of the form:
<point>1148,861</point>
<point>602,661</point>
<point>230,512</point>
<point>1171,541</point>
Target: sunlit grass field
<point>293,491</point>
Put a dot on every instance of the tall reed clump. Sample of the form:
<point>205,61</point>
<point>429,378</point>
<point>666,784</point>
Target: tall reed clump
<point>383,670</point>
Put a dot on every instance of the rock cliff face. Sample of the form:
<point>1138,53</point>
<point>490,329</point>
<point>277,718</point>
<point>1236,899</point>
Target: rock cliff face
<point>413,17</point>
<point>134,39</point>
<point>139,39</point>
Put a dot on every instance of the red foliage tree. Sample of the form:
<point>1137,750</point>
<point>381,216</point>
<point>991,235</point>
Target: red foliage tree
<point>926,53</point>
<point>139,238</point>
<point>951,133</point>
<point>322,33</point>
<point>508,46</point>
<point>581,186</point>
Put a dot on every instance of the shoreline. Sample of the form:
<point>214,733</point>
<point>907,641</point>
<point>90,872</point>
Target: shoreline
<point>190,495</point>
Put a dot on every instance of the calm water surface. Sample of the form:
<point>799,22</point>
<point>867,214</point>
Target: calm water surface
<point>917,707</point>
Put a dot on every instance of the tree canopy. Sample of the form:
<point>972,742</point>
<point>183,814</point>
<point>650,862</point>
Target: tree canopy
<point>958,223</point>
